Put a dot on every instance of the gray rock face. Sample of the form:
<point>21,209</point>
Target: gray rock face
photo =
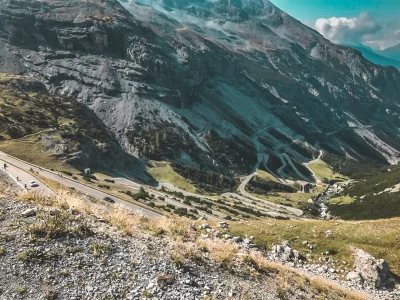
<point>372,270</point>
<point>144,70</point>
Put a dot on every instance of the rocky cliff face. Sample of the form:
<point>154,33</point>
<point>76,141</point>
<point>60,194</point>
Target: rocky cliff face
<point>68,130</point>
<point>215,84</point>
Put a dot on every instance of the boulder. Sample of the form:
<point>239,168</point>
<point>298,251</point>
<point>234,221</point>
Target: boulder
<point>227,236</point>
<point>30,212</point>
<point>247,241</point>
<point>329,233</point>
<point>54,212</point>
<point>204,226</point>
<point>372,270</point>
<point>285,253</point>
<point>237,239</point>
<point>73,212</point>
<point>223,225</point>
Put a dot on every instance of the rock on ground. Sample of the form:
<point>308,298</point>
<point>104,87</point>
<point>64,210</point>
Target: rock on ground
<point>371,269</point>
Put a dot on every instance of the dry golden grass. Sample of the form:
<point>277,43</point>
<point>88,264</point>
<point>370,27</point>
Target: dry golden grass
<point>116,215</point>
<point>36,197</point>
<point>124,220</point>
<point>222,252</point>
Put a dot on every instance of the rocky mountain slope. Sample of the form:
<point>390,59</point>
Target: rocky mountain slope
<point>376,56</point>
<point>32,121</point>
<point>217,85</point>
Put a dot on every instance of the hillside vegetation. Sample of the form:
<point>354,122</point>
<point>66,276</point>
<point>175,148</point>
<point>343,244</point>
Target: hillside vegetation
<point>379,237</point>
<point>27,108</point>
<point>374,197</point>
<point>56,132</point>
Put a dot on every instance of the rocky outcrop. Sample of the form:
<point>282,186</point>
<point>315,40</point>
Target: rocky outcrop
<point>283,252</point>
<point>371,270</point>
<point>65,128</point>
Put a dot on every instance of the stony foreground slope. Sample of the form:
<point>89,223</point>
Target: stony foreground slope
<point>67,247</point>
<point>216,85</point>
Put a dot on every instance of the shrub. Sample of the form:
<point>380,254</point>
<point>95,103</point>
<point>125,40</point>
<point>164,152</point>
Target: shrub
<point>141,194</point>
<point>99,248</point>
<point>88,176</point>
<point>87,179</point>
<point>104,186</point>
<point>181,211</point>
<point>21,290</point>
<point>34,255</point>
<point>67,173</point>
<point>164,280</point>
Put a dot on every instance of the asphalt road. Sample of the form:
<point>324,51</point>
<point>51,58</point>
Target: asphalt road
<point>296,211</point>
<point>21,168</point>
<point>307,165</point>
<point>23,178</point>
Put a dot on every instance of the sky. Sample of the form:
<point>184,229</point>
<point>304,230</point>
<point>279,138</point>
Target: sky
<point>373,23</point>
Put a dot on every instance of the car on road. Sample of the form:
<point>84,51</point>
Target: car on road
<point>108,199</point>
<point>33,183</point>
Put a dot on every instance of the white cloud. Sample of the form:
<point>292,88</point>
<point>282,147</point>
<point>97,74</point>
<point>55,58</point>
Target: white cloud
<point>348,30</point>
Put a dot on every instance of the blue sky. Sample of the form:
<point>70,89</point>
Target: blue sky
<point>375,23</point>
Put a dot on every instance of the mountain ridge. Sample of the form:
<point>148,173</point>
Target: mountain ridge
<point>376,57</point>
<point>240,77</point>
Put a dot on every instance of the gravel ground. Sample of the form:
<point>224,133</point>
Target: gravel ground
<point>105,265</point>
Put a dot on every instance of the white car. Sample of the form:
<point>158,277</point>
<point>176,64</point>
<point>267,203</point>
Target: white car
<point>33,183</point>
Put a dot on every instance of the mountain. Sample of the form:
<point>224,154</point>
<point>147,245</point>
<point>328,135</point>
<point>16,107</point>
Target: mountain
<point>376,58</point>
<point>39,127</point>
<point>212,86</point>
<point>392,52</point>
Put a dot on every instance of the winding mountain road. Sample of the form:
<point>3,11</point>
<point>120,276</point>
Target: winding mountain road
<point>276,209</point>
<point>21,169</point>
<point>242,189</point>
<point>307,165</point>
